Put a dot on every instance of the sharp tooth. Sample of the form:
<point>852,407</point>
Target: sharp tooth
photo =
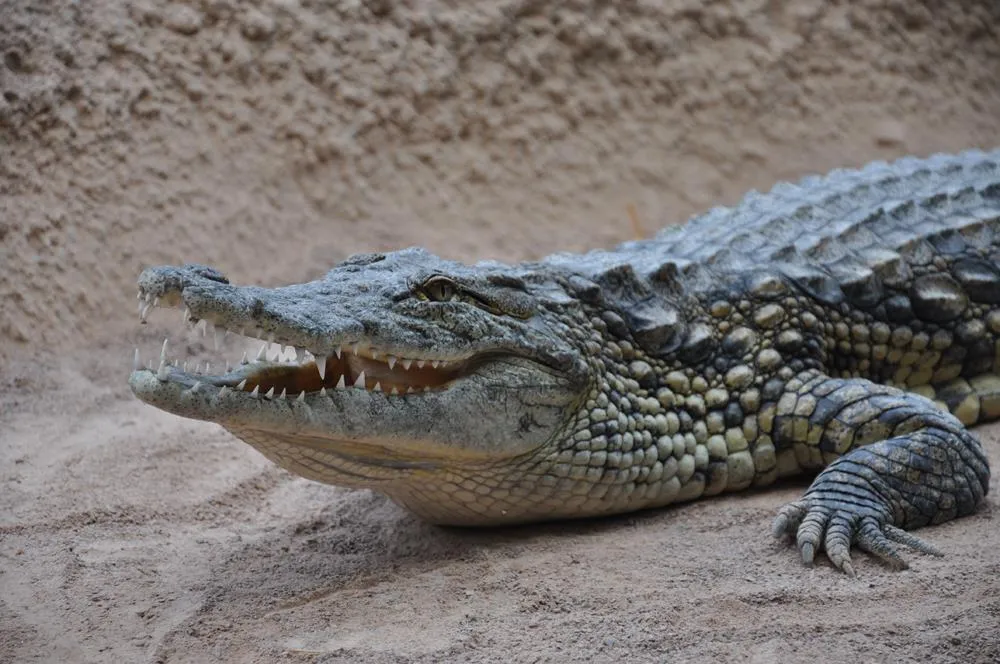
<point>270,393</point>
<point>322,391</point>
<point>377,388</point>
<point>195,387</point>
<point>406,364</point>
<point>374,353</point>
<point>301,354</point>
<point>149,364</point>
<point>393,390</point>
<point>220,334</point>
<point>284,393</point>
<point>229,367</point>
<point>321,366</point>
<point>163,371</point>
<point>341,384</point>
<point>390,360</point>
<point>138,295</point>
<point>410,390</point>
<point>360,382</point>
<point>223,390</point>
<point>436,363</point>
<point>242,384</point>
<point>421,363</point>
<point>163,351</point>
<point>302,397</point>
<point>143,311</point>
<point>136,362</point>
<point>336,351</point>
<point>245,360</point>
<point>262,353</point>
<point>184,367</point>
<point>354,349</point>
<point>203,324</point>
<point>256,391</point>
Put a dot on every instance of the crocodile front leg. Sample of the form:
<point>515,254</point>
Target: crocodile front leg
<point>896,462</point>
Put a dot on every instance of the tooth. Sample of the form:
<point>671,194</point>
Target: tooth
<point>163,371</point>
<point>184,367</point>
<point>302,397</point>
<point>163,351</point>
<point>354,349</point>
<point>393,390</point>
<point>341,384</point>
<point>156,301</point>
<point>390,360</point>
<point>149,364</point>
<point>421,363</point>
<point>203,324</point>
<point>377,388</point>
<point>256,391</point>
<point>143,311</point>
<point>187,314</point>
<point>245,360</point>
<point>406,364</point>
<point>262,353</point>
<point>270,393</point>
<point>374,353</point>
<point>136,362</point>
<point>220,334</point>
<point>138,295</point>
<point>435,363</point>
<point>229,367</point>
<point>360,382</point>
<point>284,393</point>
<point>300,353</point>
<point>223,390</point>
<point>410,390</point>
<point>270,337</point>
<point>321,366</point>
<point>242,385</point>
<point>194,388</point>
<point>336,351</point>
<point>322,391</point>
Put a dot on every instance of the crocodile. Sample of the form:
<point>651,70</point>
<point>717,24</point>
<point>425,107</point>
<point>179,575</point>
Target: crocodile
<point>846,327</point>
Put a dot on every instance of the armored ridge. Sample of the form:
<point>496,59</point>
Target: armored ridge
<point>849,323</point>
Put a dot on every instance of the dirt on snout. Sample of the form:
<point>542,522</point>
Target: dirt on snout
<point>272,139</point>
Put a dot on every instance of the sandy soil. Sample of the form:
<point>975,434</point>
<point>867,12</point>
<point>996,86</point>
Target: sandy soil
<point>272,139</point>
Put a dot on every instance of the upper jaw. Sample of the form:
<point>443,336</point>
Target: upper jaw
<point>322,346</point>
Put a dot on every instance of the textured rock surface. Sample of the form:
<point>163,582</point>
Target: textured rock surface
<point>274,138</point>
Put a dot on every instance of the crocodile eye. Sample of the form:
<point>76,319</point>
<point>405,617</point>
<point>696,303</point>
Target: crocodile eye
<point>439,289</point>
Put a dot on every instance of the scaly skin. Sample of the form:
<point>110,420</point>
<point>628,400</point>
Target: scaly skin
<point>849,323</point>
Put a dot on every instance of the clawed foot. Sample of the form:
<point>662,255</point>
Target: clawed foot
<point>815,521</point>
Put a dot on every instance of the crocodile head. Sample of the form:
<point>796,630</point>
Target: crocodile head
<point>434,382</point>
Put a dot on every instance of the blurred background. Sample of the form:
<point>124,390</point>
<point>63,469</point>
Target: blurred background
<point>271,139</point>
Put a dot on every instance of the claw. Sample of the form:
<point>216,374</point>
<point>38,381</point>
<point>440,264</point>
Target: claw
<point>810,533</point>
<point>899,535</point>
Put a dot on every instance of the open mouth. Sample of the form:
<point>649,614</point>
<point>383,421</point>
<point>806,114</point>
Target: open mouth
<point>277,371</point>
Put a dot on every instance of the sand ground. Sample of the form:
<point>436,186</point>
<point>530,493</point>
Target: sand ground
<point>272,139</point>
